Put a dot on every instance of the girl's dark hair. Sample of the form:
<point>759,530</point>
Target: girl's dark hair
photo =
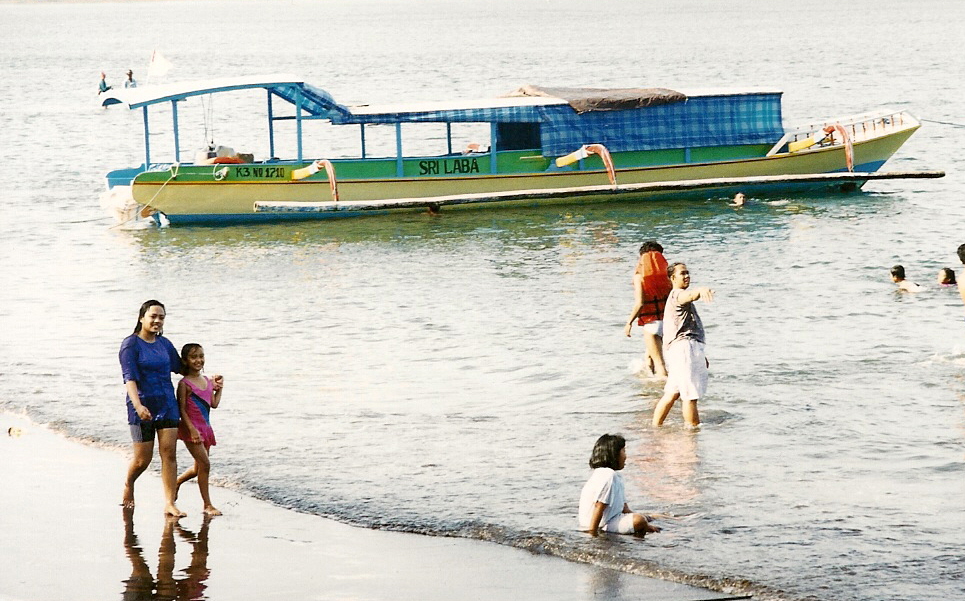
<point>606,451</point>
<point>949,275</point>
<point>185,351</point>
<point>144,307</point>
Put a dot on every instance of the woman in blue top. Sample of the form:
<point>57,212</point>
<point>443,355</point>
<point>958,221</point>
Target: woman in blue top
<point>147,360</point>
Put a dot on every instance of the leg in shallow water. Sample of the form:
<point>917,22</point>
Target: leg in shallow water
<point>691,417</point>
<point>655,353</point>
<point>664,405</point>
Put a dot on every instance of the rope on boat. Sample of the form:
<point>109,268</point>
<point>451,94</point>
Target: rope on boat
<point>315,167</point>
<point>174,168</point>
<point>846,140</point>
<point>585,151</point>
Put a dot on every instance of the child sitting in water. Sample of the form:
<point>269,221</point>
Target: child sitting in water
<point>898,277</point>
<point>946,277</point>
<point>602,504</point>
<point>197,395</point>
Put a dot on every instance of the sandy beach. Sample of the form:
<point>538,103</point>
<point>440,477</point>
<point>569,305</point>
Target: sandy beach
<point>66,537</point>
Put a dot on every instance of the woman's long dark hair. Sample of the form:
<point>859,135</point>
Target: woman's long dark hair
<point>606,451</point>
<point>144,307</point>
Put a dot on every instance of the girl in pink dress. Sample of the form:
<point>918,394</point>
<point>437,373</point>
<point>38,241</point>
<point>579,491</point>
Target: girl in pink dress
<point>197,395</point>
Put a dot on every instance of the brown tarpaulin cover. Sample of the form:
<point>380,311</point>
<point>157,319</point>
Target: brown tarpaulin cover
<point>602,99</point>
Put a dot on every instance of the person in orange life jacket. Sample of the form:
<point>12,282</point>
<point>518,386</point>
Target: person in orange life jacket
<point>650,288</point>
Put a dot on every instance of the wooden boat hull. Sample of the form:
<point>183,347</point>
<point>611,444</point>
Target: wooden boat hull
<point>220,194</point>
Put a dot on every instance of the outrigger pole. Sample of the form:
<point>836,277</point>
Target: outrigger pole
<point>623,189</point>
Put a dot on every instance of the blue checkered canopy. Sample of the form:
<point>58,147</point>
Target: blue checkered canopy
<point>700,121</point>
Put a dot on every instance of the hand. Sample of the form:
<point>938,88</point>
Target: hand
<point>143,412</point>
<point>218,380</point>
<point>627,328</point>
<point>707,294</point>
<point>195,436</point>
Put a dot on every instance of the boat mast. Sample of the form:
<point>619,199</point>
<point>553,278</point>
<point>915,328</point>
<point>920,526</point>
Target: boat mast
<point>271,126</point>
<point>147,139</point>
<point>399,170</point>
<point>298,120</point>
<point>493,131</point>
<point>177,142</point>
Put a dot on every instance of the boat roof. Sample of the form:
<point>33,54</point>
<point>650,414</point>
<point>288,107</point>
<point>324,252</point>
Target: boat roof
<point>479,109</point>
<point>452,105</point>
<point>319,103</point>
<point>315,101</point>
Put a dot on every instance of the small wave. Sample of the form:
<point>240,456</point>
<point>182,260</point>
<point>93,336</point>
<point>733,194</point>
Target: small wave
<point>606,551</point>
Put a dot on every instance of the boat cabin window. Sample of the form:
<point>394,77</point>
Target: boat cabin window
<point>424,139</point>
<point>518,136</point>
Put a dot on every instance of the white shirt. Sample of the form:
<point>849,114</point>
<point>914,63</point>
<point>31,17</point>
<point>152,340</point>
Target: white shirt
<point>604,486</point>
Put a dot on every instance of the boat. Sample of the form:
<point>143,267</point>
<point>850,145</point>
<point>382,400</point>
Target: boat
<point>536,146</point>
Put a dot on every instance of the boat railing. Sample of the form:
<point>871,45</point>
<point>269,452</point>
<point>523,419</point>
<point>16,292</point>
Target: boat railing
<point>860,127</point>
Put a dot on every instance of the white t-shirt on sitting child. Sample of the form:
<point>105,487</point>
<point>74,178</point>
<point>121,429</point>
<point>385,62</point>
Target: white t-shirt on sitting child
<point>605,486</point>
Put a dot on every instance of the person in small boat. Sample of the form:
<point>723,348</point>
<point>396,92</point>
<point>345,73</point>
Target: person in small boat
<point>102,86</point>
<point>129,82</point>
<point>898,277</point>
<point>683,348</point>
<point>650,289</point>
<point>739,200</point>
<point>602,502</point>
<point>946,277</point>
<point>197,396</point>
<point>147,361</point>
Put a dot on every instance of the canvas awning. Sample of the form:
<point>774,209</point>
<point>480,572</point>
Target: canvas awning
<point>603,99</point>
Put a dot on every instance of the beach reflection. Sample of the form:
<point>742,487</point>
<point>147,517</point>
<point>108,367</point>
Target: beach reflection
<point>189,585</point>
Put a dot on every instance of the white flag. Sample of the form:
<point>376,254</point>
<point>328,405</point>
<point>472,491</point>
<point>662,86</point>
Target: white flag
<point>159,66</point>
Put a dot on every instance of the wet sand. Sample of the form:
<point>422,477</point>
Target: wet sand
<point>66,537</point>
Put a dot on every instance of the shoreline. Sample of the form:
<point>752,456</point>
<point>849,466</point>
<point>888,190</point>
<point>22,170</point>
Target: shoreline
<point>61,509</point>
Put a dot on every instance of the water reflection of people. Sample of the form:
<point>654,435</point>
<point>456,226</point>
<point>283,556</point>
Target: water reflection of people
<point>142,586</point>
<point>666,465</point>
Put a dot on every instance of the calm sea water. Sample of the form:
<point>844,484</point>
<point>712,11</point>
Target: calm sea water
<point>449,374</point>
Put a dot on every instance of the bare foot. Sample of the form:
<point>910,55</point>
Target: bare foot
<point>173,511</point>
<point>211,510</point>
<point>127,502</point>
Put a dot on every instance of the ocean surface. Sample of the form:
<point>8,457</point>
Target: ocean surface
<point>449,374</point>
